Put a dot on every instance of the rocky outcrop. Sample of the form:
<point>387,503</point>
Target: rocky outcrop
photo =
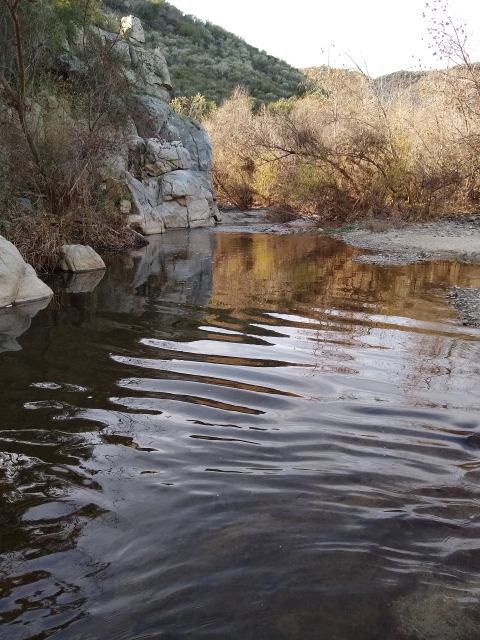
<point>167,162</point>
<point>163,157</point>
<point>131,27</point>
<point>19,283</point>
<point>78,258</point>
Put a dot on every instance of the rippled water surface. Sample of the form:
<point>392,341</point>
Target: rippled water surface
<point>242,437</point>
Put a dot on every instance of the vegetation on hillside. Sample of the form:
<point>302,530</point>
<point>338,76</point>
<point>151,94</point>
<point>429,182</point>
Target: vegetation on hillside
<point>60,111</point>
<point>204,58</point>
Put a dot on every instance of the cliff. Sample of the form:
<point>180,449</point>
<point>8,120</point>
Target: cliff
<point>166,157</point>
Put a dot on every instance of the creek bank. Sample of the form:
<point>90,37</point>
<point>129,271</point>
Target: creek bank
<point>467,303</point>
<point>441,240</point>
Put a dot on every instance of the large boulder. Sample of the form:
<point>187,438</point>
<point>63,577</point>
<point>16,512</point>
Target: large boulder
<point>19,283</point>
<point>78,258</point>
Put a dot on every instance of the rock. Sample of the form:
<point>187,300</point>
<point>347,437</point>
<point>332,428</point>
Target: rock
<point>32,289</point>
<point>149,72</point>
<point>125,207</point>
<point>131,27</point>
<point>25,204</point>
<point>163,157</point>
<point>78,258</point>
<point>150,115</point>
<point>180,184</point>
<point>67,65</point>
<point>198,212</point>
<point>175,215</point>
<point>12,270</point>
<point>146,217</point>
<point>19,283</point>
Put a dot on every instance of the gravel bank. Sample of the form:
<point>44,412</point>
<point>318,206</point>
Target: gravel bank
<point>449,240</point>
<point>467,303</point>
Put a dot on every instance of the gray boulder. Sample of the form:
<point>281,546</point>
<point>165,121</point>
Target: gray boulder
<point>19,283</point>
<point>78,258</point>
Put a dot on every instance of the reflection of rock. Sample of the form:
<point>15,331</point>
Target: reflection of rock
<point>14,321</point>
<point>181,263</point>
<point>83,282</point>
<point>78,258</point>
<point>19,283</point>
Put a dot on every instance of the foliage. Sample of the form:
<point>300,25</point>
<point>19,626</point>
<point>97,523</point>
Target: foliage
<point>204,58</point>
<point>350,148</point>
<point>63,99</point>
<point>196,107</point>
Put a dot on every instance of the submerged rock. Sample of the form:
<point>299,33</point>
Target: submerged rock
<point>19,284</point>
<point>78,258</point>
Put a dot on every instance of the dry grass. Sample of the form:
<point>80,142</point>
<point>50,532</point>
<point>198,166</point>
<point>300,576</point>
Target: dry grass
<point>39,237</point>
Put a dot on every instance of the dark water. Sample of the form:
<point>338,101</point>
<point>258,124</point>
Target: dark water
<point>242,437</point>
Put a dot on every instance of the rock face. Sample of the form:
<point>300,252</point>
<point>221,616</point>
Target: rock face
<point>167,161</point>
<point>132,27</point>
<point>19,283</point>
<point>77,258</point>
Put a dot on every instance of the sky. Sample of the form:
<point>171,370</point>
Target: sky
<point>379,35</point>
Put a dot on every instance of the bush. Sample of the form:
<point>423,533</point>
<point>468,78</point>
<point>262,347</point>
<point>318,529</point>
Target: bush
<point>348,147</point>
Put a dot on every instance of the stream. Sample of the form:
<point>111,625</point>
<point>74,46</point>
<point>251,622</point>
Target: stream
<point>244,437</point>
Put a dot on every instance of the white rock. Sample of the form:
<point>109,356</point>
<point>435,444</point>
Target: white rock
<point>78,258</point>
<point>175,215</point>
<point>146,217</point>
<point>32,289</point>
<point>19,283</point>
<point>198,210</point>
<point>180,184</point>
<point>131,27</point>
<point>12,270</point>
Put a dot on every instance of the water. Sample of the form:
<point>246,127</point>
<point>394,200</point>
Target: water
<point>241,436</point>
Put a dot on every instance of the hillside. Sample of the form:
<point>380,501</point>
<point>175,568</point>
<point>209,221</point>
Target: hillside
<point>204,58</point>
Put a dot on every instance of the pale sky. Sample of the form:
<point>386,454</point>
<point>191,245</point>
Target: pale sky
<point>385,36</point>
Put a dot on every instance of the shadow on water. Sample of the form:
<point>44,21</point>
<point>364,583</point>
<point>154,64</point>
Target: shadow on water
<point>241,436</point>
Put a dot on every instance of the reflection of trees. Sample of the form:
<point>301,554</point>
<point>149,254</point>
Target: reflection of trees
<point>268,270</point>
<point>394,308</point>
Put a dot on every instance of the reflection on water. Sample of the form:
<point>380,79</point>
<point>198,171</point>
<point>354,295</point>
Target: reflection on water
<point>242,436</point>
